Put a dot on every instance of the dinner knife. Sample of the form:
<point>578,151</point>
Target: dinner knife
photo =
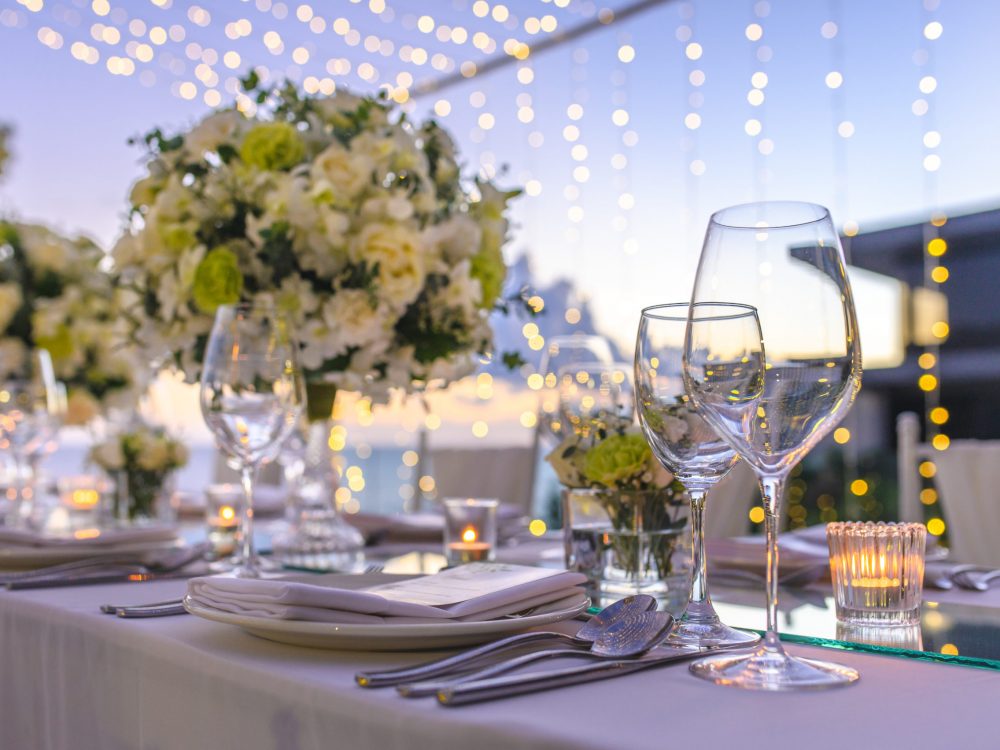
<point>88,580</point>
<point>511,685</point>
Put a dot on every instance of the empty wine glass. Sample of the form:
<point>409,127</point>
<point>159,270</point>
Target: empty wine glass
<point>561,353</point>
<point>251,396</point>
<point>687,446</point>
<point>595,397</point>
<point>32,408</point>
<point>783,259</point>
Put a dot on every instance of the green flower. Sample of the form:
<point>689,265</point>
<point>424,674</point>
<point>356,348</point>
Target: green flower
<point>217,280</point>
<point>177,237</point>
<point>617,459</point>
<point>273,146</point>
<point>489,269</point>
<point>59,345</point>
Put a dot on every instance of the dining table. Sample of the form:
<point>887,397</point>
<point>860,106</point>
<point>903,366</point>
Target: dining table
<point>74,678</point>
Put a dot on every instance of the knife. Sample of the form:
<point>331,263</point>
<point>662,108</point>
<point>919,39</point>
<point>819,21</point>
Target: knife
<point>511,685</point>
<point>89,580</point>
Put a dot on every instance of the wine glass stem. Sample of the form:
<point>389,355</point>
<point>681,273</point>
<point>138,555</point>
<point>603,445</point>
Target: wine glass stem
<point>248,473</point>
<point>699,578</point>
<point>772,490</point>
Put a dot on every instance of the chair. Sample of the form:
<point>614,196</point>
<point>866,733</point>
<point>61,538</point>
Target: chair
<point>504,473</point>
<point>728,506</point>
<point>967,480</point>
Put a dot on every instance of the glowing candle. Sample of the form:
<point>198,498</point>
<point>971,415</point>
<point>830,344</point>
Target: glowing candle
<point>470,530</point>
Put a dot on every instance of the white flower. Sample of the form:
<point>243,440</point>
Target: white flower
<point>344,173</point>
<point>675,428</point>
<point>353,321</point>
<point>10,302</point>
<point>213,131</point>
<point>455,238</point>
<point>154,454</point>
<point>108,455</point>
<point>81,407</point>
<point>399,253</point>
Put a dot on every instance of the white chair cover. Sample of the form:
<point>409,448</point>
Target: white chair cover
<point>968,479</point>
<point>502,473</point>
<point>728,506</point>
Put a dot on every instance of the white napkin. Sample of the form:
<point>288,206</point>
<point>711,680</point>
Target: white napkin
<point>89,537</point>
<point>478,591</point>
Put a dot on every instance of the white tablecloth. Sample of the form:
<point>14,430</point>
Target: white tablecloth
<point>71,677</point>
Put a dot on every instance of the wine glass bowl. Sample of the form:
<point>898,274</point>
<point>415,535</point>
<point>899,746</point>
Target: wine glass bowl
<point>251,396</point>
<point>773,393</point>
<point>595,397</point>
<point>561,353</point>
<point>686,445</point>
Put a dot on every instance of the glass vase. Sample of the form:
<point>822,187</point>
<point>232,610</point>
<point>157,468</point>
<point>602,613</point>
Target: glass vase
<point>142,496</point>
<point>629,541</point>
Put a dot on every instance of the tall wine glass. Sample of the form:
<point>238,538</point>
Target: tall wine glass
<point>251,396</point>
<point>32,408</point>
<point>686,445</point>
<point>561,353</point>
<point>785,260</point>
<point>595,397</point>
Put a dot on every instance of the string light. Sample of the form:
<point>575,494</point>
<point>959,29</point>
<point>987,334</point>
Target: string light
<point>756,96</point>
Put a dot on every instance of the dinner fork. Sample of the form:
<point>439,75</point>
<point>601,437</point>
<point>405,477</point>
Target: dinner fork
<point>974,580</point>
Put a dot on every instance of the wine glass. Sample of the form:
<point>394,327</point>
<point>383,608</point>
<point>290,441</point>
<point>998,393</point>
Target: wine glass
<point>32,408</point>
<point>563,352</point>
<point>784,259</point>
<point>251,396</point>
<point>687,446</point>
<point>595,397</point>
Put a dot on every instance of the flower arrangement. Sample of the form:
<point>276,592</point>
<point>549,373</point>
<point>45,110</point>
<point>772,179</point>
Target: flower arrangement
<point>614,474</point>
<point>142,459</point>
<point>54,296</point>
<point>336,209</point>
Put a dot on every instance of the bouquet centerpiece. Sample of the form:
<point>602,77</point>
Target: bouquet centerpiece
<point>54,296</point>
<point>141,460</point>
<point>623,513</point>
<point>342,213</point>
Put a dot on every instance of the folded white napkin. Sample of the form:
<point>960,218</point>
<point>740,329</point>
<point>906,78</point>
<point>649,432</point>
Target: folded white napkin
<point>89,537</point>
<point>478,591</point>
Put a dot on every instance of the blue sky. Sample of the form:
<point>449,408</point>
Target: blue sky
<point>73,167</point>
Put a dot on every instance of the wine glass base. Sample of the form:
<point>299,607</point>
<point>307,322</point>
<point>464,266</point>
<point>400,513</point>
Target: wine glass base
<point>706,634</point>
<point>773,669</point>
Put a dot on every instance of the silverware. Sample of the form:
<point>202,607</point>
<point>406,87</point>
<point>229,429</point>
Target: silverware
<point>469,659</point>
<point>167,609</point>
<point>511,685</point>
<point>89,579</point>
<point>627,638</point>
<point>110,609</point>
<point>974,579</point>
<point>166,562</point>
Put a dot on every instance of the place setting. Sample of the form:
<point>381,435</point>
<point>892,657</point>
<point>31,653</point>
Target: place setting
<point>510,373</point>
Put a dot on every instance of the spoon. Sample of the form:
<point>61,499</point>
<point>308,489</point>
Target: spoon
<point>629,637</point>
<point>585,636</point>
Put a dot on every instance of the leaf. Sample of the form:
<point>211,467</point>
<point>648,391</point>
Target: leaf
<point>513,360</point>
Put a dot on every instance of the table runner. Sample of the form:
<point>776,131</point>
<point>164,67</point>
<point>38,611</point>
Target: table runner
<point>73,678</point>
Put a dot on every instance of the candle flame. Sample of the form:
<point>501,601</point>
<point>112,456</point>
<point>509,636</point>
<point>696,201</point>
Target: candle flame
<point>85,498</point>
<point>469,535</point>
<point>226,513</point>
<point>86,533</point>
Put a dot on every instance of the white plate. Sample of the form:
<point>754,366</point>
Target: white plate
<point>367,637</point>
<point>16,556</point>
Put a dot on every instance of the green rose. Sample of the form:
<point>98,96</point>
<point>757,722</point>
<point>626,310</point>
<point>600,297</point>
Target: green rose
<point>217,280</point>
<point>177,237</point>
<point>273,146</point>
<point>59,345</point>
<point>489,269</point>
<point>617,459</point>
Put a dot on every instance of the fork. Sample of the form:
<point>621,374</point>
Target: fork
<point>974,580</point>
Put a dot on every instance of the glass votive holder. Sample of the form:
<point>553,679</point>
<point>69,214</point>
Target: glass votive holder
<point>903,637</point>
<point>222,516</point>
<point>877,571</point>
<point>470,529</point>
<point>83,492</point>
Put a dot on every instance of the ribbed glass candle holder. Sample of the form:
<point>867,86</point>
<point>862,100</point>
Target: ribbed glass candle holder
<point>877,571</point>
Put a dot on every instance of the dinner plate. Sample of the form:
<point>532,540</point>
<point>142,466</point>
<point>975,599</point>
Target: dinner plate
<point>403,637</point>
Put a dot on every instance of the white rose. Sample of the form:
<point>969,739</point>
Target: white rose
<point>10,303</point>
<point>13,353</point>
<point>399,253</point>
<point>462,292</point>
<point>81,407</point>
<point>455,238</point>
<point>154,455</point>
<point>352,321</point>
<point>675,428</point>
<point>345,172</point>
<point>212,132</point>
<point>109,455</point>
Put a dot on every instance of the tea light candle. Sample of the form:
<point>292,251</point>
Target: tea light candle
<point>470,530</point>
<point>877,571</point>
<point>222,517</point>
<point>82,493</point>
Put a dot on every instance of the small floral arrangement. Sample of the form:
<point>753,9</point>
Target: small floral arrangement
<point>143,457</point>
<point>54,296</point>
<point>341,212</point>
<point>617,460</point>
